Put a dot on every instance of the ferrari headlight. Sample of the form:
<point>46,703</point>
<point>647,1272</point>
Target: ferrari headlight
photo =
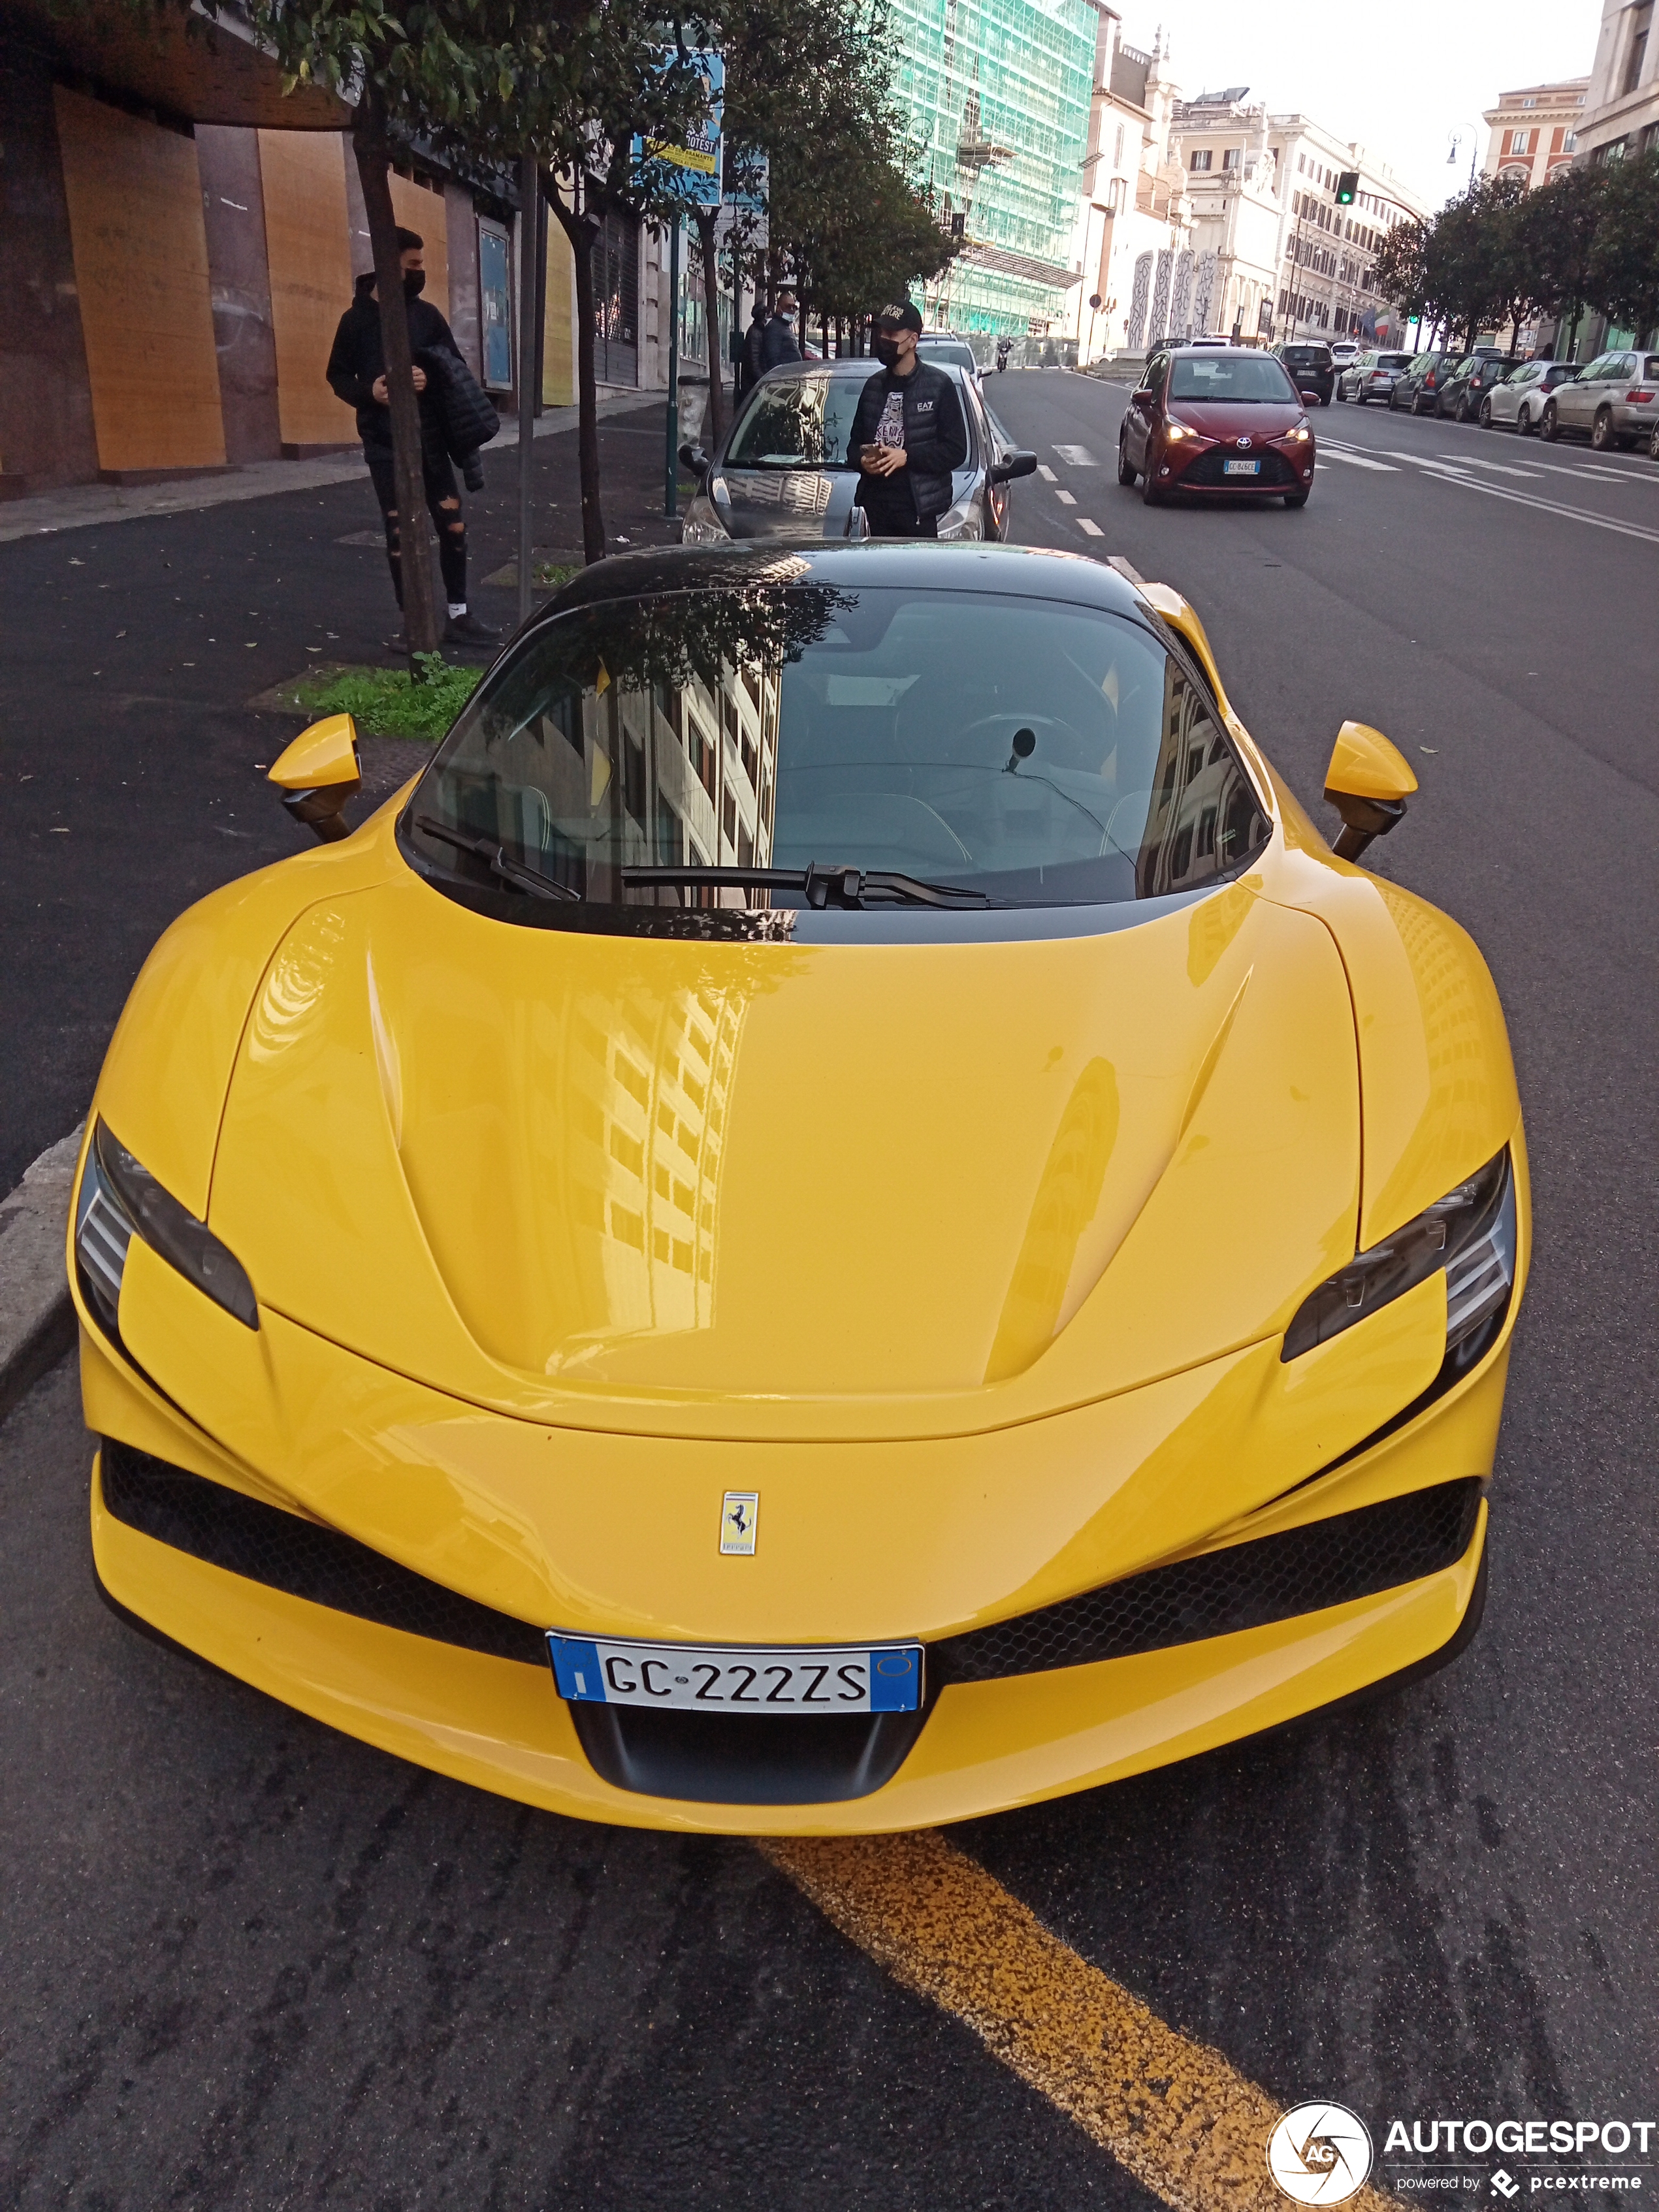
<point>119,1198</point>
<point>703,525</point>
<point>1471,1233</point>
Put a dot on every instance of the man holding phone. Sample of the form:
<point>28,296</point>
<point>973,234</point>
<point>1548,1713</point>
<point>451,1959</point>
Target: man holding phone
<point>908,433</point>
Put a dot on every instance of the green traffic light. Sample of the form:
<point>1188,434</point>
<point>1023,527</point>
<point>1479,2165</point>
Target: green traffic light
<point>1347,188</point>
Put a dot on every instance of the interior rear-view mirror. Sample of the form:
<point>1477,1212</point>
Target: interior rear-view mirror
<point>1368,781</point>
<point>318,774</point>
<point>1016,464</point>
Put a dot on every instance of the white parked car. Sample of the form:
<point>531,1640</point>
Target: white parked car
<point>1517,403</point>
<point>1343,351</point>
<point>1615,401</point>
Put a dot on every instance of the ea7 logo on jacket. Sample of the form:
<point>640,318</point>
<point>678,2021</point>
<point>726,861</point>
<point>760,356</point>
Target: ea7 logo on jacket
<point>924,406</point>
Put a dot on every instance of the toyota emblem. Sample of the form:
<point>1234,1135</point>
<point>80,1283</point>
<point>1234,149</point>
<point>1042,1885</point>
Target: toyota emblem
<point>1244,444</point>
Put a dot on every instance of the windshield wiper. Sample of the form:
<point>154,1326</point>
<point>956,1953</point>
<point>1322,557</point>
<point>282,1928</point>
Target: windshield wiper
<point>519,873</point>
<point>832,887</point>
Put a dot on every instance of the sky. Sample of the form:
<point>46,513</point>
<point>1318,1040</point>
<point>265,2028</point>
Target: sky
<point>1400,84</point>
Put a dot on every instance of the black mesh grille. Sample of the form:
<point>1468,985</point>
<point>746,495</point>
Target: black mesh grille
<point>1276,1577</point>
<point>1207,470</point>
<point>285,1554</point>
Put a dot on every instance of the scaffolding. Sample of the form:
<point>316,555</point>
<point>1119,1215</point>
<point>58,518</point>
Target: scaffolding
<point>997,94</point>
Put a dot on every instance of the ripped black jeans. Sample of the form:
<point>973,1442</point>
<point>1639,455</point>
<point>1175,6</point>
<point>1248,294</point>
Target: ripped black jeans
<point>443,503</point>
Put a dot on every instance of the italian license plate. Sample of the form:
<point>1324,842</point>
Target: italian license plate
<point>704,1678</point>
<point>1241,468</point>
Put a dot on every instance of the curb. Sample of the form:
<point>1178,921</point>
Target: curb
<point>37,1321</point>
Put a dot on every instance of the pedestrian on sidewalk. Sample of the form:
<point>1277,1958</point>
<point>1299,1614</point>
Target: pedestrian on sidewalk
<point>356,374</point>
<point>908,433</point>
<point>778,342</point>
<point>749,357</point>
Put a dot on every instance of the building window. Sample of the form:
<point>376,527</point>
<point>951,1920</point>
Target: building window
<point>1520,142</point>
<point>1570,143</point>
<point>1232,157</point>
<point>1200,160</point>
<point>1115,197</point>
<point>1529,103</point>
<point>1118,149</point>
<point>1641,22</point>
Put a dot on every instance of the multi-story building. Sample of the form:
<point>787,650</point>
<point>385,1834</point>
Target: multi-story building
<point>1534,132</point>
<point>1274,254</point>
<point>1621,103</point>
<point>1132,206</point>
<point>997,94</point>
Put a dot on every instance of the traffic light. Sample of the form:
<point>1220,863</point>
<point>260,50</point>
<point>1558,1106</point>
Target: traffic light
<point>1347,188</point>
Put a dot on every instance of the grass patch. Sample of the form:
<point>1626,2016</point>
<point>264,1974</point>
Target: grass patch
<point>554,574</point>
<point>383,702</point>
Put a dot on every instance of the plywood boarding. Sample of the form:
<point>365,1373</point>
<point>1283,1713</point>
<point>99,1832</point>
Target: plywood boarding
<point>559,344</point>
<point>303,173</point>
<point>141,268</point>
<point>423,211</point>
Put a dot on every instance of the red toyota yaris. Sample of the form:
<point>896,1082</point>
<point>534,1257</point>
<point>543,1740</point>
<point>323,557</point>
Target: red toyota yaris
<point>1216,419</point>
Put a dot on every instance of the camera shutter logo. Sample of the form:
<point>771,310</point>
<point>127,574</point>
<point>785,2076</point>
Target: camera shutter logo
<point>1320,2154</point>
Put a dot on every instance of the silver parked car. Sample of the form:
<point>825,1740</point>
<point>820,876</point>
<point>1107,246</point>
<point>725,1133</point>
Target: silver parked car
<point>1371,375</point>
<point>1518,401</point>
<point>1614,401</point>
<point>783,469</point>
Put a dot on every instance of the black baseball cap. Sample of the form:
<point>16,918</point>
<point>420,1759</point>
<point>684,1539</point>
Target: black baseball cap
<point>903,315</point>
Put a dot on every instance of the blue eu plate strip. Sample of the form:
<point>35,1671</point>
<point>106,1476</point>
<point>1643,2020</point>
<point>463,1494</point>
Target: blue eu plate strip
<point>576,1669</point>
<point>895,1682</point>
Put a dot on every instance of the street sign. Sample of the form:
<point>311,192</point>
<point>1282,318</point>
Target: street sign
<point>694,168</point>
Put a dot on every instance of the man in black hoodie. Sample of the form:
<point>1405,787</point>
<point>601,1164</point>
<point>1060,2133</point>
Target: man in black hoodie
<point>908,433</point>
<point>356,374</point>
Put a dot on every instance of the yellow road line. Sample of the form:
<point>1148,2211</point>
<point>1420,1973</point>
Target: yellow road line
<point>1172,2111</point>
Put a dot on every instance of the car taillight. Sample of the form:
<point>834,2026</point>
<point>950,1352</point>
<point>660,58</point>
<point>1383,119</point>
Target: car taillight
<point>1638,399</point>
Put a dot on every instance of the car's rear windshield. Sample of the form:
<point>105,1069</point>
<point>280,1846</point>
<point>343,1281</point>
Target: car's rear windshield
<point>1393,360</point>
<point>992,749</point>
<point>961,356</point>
<point>1308,356</point>
<point>1232,377</point>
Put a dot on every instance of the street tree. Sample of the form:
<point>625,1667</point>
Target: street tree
<point>1622,279</point>
<point>1564,217</point>
<point>1400,270</point>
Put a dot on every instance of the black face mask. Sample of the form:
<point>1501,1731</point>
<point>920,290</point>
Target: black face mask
<point>886,351</point>
<point>414,284</point>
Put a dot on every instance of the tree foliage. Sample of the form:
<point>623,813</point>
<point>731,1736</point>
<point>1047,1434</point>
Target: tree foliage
<point>1498,254</point>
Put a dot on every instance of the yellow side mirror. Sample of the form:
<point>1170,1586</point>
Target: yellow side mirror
<point>319,773</point>
<point>1368,781</point>
<point>1168,603</point>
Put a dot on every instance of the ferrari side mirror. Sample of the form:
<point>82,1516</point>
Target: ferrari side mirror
<point>318,774</point>
<point>1368,781</point>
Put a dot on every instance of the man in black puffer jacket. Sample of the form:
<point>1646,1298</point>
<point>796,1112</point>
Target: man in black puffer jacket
<point>908,434</point>
<point>356,374</point>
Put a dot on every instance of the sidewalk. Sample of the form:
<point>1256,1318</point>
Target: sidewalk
<point>139,625</point>
<point>79,505</point>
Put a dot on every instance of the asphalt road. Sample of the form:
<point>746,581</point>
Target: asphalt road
<point>249,1963</point>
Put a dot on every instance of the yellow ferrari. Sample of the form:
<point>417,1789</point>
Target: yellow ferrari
<point>841,1217</point>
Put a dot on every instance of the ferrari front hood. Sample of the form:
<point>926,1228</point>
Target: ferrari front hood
<point>750,1190</point>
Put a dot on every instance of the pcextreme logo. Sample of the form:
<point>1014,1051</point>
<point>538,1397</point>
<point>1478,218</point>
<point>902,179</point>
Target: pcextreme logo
<point>1320,2154</point>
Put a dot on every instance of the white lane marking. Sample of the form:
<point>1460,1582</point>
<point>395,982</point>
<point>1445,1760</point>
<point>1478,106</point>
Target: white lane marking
<point>1047,474</point>
<point>1124,567</point>
<point>1079,456</point>
<point>1499,468</point>
<point>1437,473</point>
<point>1358,460</point>
<point>1089,529</point>
<point>1064,497</point>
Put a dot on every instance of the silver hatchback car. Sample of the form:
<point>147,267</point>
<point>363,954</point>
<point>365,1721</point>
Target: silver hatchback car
<point>1614,401</point>
<point>783,470</point>
<point>1371,376</point>
<point>1518,401</point>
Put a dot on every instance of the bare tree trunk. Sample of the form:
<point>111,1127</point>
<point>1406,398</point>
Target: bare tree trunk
<point>581,229</point>
<point>714,428</point>
<point>372,151</point>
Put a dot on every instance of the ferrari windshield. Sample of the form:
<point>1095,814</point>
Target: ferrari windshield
<point>923,746</point>
<point>1232,377</point>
